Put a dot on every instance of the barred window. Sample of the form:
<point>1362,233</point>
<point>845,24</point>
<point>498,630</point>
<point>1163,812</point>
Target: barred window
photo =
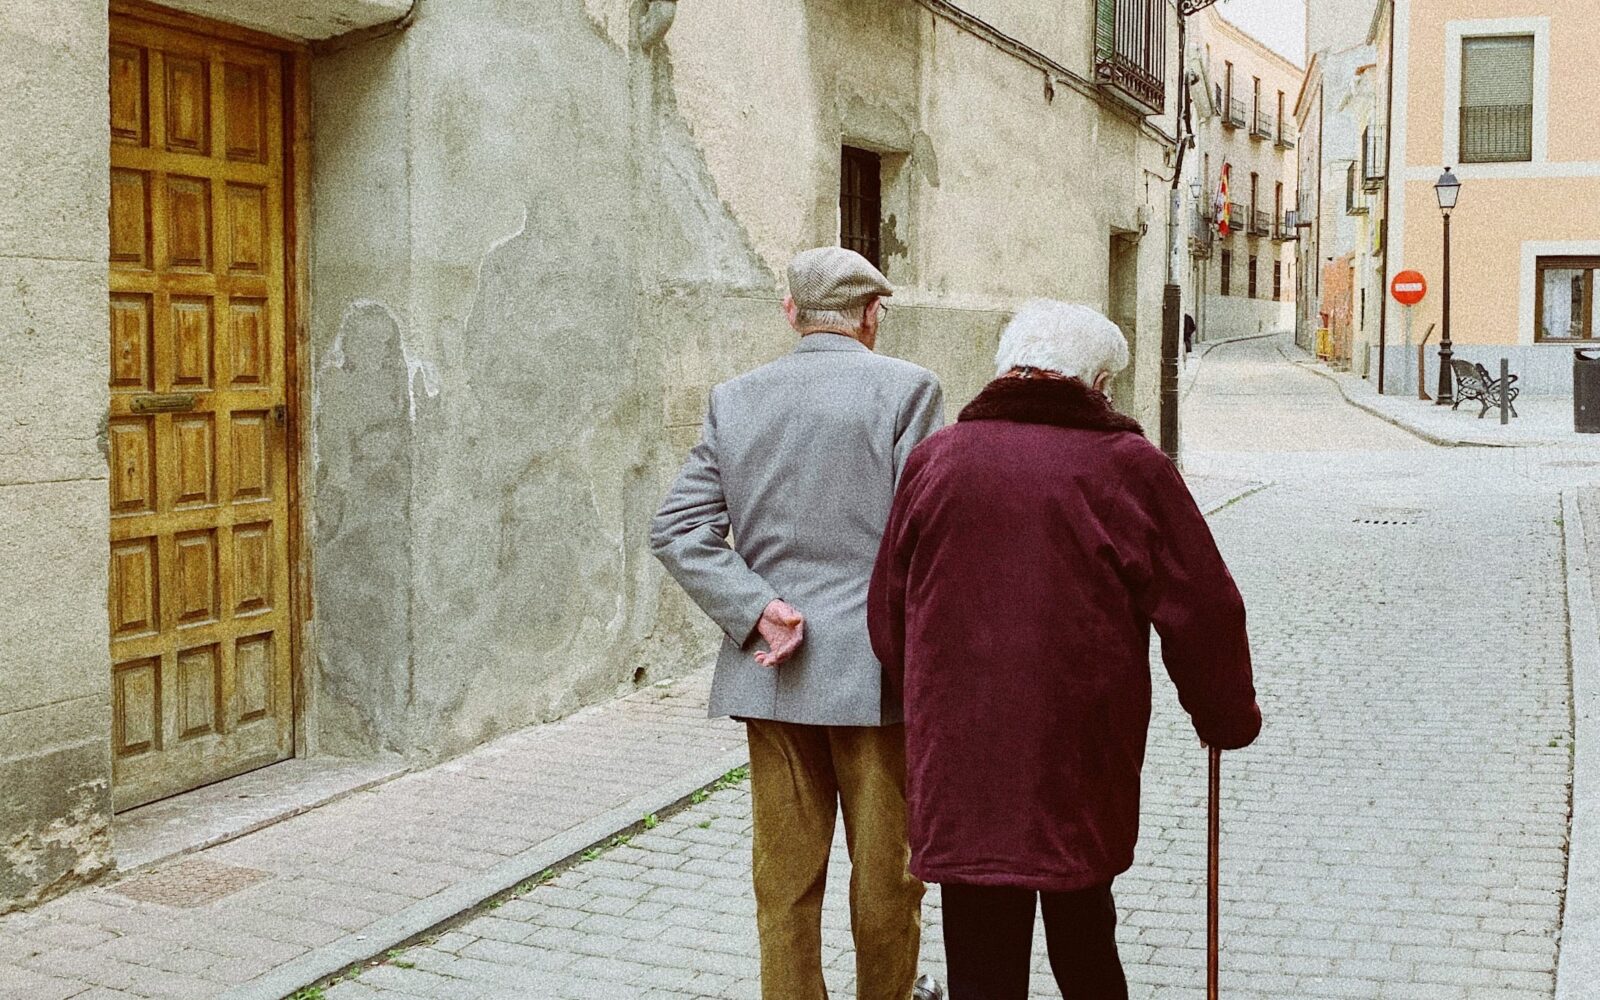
<point>1227,272</point>
<point>861,202</point>
<point>1497,99</point>
<point>1277,281</point>
<point>1565,301</point>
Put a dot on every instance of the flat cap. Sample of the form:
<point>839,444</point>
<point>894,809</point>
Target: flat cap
<point>835,278</point>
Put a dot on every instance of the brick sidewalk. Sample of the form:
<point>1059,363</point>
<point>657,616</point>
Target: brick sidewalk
<point>261,916</point>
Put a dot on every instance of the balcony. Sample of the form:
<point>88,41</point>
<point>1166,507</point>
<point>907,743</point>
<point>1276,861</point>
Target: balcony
<point>1374,160</point>
<point>1355,202</point>
<point>1285,228</point>
<point>1130,59</point>
<point>1497,133</point>
<point>1266,126</point>
<point>1284,140</point>
<point>1260,223</point>
<point>1233,113</point>
<point>1236,219</point>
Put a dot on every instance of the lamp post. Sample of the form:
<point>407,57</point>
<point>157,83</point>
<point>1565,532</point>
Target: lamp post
<point>1448,188</point>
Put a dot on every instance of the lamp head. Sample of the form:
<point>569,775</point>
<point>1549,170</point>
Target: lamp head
<point>1448,188</point>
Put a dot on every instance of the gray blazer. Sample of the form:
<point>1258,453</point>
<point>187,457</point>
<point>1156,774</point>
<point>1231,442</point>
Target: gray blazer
<point>799,460</point>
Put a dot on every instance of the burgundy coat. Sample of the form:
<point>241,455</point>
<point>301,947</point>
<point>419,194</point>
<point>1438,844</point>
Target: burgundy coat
<point>1030,548</point>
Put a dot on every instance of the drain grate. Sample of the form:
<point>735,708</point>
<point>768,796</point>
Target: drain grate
<point>1388,517</point>
<point>191,883</point>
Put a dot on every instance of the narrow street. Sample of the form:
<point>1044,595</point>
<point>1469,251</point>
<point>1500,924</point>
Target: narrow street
<point>1399,831</point>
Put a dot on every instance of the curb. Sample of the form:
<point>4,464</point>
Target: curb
<point>1578,957</point>
<point>391,932</point>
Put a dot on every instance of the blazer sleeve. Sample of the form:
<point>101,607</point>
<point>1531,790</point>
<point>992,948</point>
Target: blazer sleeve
<point>1190,598</point>
<point>689,535</point>
<point>920,415</point>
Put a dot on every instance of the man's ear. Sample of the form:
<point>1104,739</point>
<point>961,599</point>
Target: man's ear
<point>791,312</point>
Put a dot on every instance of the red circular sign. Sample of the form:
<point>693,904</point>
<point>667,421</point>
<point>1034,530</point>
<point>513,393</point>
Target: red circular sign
<point>1408,287</point>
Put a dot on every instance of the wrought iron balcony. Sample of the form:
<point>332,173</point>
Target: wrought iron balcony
<point>1265,127</point>
<point>1497,133</point>
<point>1260,223</point>
<point>1285,140</point>
<point>1374,160</point>
<point>1236,219</point>
<point>1284,228</point>
<point>1233,114</point>
<point>1355,203</point>
<point>1131,52</point>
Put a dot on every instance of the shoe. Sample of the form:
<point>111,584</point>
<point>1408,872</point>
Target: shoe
<point>927,988</point>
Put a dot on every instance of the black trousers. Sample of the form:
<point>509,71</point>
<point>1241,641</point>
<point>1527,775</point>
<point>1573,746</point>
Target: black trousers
<point>988,942</point>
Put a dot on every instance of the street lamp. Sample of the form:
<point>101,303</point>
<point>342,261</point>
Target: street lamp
<point>1448,188</point>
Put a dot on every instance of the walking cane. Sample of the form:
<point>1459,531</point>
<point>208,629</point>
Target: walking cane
<point>1213,847</point>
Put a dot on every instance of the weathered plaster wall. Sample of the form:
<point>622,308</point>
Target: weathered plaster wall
<point>535,248</point>
<point>55,767</point>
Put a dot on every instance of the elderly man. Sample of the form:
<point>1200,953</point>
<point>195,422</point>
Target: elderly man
<point>1030,549</point>
<point>798,460</point>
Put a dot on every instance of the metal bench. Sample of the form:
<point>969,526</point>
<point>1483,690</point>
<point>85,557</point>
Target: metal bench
<point>1473,382</point>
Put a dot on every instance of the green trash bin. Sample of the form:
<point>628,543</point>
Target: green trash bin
<point>1585,391</point>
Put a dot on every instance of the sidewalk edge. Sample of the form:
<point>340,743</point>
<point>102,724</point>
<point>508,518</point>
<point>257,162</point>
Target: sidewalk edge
<point>1578,961</point>
<point>391,932</point>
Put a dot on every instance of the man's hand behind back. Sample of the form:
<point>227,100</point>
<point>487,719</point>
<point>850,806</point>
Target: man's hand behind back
<point>784,629</point>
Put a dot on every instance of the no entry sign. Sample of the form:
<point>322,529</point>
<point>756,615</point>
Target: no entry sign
<point>1408,287</point>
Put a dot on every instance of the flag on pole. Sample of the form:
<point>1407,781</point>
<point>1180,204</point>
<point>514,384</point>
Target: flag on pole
<point>1221,213</point>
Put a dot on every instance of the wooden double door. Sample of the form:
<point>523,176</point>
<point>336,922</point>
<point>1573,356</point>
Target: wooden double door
<point>200,606</point>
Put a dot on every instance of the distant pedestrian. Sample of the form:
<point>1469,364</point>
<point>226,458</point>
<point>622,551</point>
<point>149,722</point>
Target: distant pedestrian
<point>1188,333</point>
<point>1031,547</point>
<point>798,460</point>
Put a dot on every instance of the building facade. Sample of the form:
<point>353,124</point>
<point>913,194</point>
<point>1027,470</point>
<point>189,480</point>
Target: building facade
<point>1245,280</point>
<point>1493,90</point>
<point>351,345</point>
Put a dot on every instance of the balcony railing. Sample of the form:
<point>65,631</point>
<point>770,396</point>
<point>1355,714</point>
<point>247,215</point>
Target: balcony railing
<point>1236,219</point>
<point>1355,203</point>
<point>1497,133</point>
<point>1202,234</point>
<point>1131,52</point>
<point>1266,126</point>
<point>1374,159</point>
<point>1284,140</point>
<point>1260,223</point>
<point>1284,229</point>
<point>1233,114</point>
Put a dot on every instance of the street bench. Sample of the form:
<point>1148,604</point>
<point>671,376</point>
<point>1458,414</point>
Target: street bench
<point>1474,383</point>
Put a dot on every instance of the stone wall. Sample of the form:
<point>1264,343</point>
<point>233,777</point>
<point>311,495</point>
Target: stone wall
<point>535,249</point>
<point>55,767</point>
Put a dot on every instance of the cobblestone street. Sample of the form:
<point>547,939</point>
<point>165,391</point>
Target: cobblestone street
<point>1399,831</point>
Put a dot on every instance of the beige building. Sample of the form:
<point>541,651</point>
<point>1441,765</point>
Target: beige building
<point>1498,92</point>
<point>1245,126</point>
<point>351,345</point>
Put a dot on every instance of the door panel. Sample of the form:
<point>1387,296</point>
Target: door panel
<point>199,576</point>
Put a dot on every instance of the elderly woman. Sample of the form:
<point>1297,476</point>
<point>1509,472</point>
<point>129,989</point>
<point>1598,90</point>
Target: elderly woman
<point>1030,548</point>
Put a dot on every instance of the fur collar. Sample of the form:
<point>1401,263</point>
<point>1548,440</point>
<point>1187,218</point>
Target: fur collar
<point>1060,402</point>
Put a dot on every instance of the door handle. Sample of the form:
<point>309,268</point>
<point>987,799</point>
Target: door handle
<point>280,414</point>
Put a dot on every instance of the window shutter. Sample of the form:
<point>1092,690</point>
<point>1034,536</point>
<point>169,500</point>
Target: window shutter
<point>1497,71</point>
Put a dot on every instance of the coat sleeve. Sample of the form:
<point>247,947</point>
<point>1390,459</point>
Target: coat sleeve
<point>886,595</point>
<point>1190,597</point>
<point>920,415</point>
<point>689,535</point>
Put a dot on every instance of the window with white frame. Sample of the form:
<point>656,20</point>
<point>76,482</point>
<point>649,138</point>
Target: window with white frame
<point>1497,99</point>
<point>1565,305</point>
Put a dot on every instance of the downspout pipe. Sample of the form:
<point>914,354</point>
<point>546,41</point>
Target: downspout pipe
<point>1388,196</point>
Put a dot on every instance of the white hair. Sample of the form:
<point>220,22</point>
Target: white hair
<point>1062,337</point>
<point>831,319</point>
